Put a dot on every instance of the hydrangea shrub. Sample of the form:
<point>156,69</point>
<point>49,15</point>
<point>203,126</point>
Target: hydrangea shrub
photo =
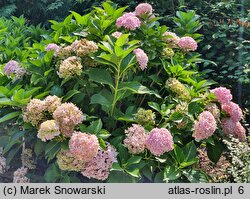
<point>117,97</point>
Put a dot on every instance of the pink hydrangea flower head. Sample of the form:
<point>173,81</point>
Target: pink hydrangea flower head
<point>233,110</point>
<point>222,94</point>
<point>20,176</point>
<point>187,44</point>
<point>116,34</point>
<point>240,132</point>
<point>135,139</point>
<point>84,146</point>
<point>52,102</point>
<point>67,115</point>
<point>99,167</point>
<point>128,21</point>
<point>143,9</point>
<point>141,58</point>
<point>230,127</point>
<point>159,141</point>
<point>171,38</point>
<point>54,47</point>
<point>205,126</point>
<point>34,112</point>
<point>11,67</point>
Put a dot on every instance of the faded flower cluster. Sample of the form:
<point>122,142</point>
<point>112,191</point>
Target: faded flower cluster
<point>135,139</point>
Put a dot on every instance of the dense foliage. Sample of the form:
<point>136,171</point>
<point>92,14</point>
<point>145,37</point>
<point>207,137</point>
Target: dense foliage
<point>111,96</point>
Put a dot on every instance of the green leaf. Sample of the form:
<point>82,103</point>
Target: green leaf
<point>10,116</point>
<point>52,174</point>
<point>116,167</point>
<point>194,107</point>
<point>135,172</point>
<point>190,151</point>
<point>52,148</point>
<point>196,176</point>
<point>214,151</point>
<point>155,106</point>
<point>171,173</point>
<point>101,76</point>
<point>12,153</point>
<point>103,98</point>
<point>179,154</point>
<point>122,40</point>
<point>176,117</point>
<point>134,160</point>
<point>70,94</point>
<point>39,147</point>
<point>8,102</point>
<point>95,127</point>
<point>137,88</point>
<point>121,177</point>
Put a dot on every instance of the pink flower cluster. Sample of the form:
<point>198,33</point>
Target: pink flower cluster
<point>141,58</point>
<point>233,110</point>
<point>53,47</point>
<point>231,127</point>
<point>11,67</point>
<point>143,9</point>
<point>116,34</point>
<point>84,146</point>
<point>135,139</point>
<point>171,38</point>
<point>187,44</point>
<point>222,94</point>
<point>205,126</point>
<point>100,165</point>
<point>159,141</point>
<point>20,176</point>
<point>129,21</point>
<point>67,115</point>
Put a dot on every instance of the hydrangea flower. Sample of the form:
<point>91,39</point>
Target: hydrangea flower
<point>99,167</point>
<point>230,127</point>
<point>65,52</point>
<point>128,21</point>
<point>116,34</point>
<point>145,117</point>
<point>52,102</point>
<point>68,162</point>
<point>143,9</point>
<point>84,47</point>
<point>205,126</point>
<point>141,58</point>
<point>53,47</point>
<point>178,88</point>
<point>34,112</point>
<point>135,139</point>
<point>83,146</point>
<point>11,67</point>
<point>67,115</point>
<point>20,176</point>
<point>222,94</point>
<point>233,110</point>
<point>159,141</point>
<point>187,44</point>
<point>168,52</point>
<point>70,67</point>
<point>171,38</point>
<point>48,130</point>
